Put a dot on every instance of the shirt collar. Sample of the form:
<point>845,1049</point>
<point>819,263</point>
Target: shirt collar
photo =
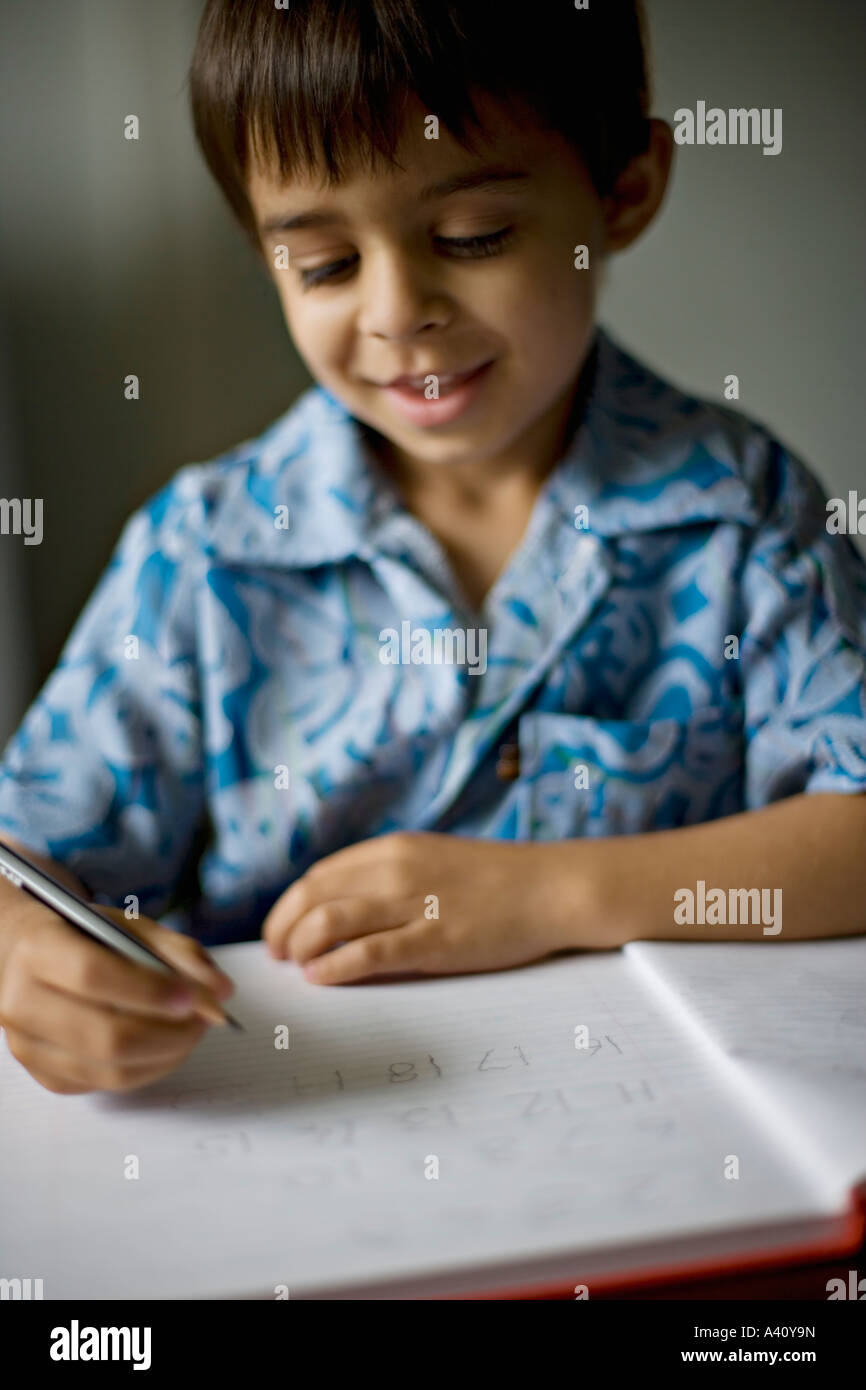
<point>644,456</point>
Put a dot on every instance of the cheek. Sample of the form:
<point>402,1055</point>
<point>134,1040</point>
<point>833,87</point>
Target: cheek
<point>548,316</point>
<point>318,336</point>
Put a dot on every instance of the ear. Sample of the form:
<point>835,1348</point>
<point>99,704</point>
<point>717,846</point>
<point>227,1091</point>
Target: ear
<point>639,190</point>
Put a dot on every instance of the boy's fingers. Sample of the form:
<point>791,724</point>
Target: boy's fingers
<point>72,965</point>
<point>305,893</point>
<point>311,890</point>
<point>56,1084</point>
<point>341,920</point>
<point>60,1071</point>
<point>385,866</point>
<point>183,952</point>
<point>96,1034</point>
<point>387,952</point>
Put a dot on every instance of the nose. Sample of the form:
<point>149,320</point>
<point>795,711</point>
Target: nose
<point>399,297</point>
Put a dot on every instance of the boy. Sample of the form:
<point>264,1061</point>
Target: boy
<point>496,644</point>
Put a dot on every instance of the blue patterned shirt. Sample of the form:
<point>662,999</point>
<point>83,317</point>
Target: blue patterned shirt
<point>676,638</point>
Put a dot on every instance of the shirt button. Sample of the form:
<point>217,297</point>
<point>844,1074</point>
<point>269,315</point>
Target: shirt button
<point>508,763</point>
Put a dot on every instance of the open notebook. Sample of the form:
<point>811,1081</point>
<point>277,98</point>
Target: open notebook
<point>311,1168</point>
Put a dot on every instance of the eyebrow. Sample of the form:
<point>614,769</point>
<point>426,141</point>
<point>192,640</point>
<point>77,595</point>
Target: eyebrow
<point>477,180</point>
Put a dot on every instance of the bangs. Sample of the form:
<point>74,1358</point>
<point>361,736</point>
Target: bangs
<point>323,87</point>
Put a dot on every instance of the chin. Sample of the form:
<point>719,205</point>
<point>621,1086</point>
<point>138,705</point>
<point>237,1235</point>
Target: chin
<point>456,453</point>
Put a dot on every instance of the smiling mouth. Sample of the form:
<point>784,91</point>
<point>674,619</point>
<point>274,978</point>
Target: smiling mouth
<point>446,381</point>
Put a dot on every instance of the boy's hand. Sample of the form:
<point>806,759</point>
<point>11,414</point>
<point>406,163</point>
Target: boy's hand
<point>80,1018</point>
<point>434,904</point>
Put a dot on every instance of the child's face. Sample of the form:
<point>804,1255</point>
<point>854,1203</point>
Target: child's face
<point>374,291</point>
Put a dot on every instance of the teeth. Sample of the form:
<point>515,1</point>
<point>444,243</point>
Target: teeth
<point>419,382</point>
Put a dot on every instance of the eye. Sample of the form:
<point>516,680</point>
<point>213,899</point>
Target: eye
<point>320,273</point>
<point>488,244</point>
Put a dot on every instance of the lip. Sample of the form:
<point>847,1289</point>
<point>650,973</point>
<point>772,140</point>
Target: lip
<point>408,377</point>
<point>414,407</point>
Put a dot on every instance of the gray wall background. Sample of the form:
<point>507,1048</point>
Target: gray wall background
<point>120,257</point>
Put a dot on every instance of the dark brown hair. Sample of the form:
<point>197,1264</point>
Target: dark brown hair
<point>324,83</point>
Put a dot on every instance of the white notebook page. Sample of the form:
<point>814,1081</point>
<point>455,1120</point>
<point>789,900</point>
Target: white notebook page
<point>306,1167</point>
<point>792,1017</point>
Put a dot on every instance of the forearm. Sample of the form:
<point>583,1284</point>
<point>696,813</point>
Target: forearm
<point>807,852</point>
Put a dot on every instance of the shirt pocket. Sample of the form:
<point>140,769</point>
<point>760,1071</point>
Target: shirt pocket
<point>581,776</point>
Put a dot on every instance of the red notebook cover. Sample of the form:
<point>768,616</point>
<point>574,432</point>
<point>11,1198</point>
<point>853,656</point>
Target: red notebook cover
<point>730,1265</point>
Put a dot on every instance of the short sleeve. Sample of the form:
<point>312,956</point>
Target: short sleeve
<point>803,647</point>
<point>104,774</point>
